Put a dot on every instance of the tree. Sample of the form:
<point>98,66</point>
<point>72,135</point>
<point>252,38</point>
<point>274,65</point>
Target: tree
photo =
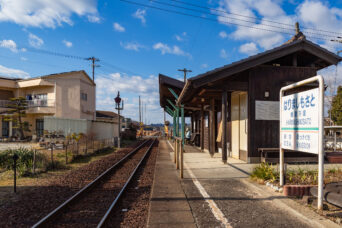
<point>336,107</point>
<point>17,111</point>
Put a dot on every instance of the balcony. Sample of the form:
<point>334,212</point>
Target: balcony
<point>43,106</point>
<point>33,106</point>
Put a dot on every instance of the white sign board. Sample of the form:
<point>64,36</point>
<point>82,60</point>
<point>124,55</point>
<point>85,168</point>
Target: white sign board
<point>299,125</point>
<point>266,110</point>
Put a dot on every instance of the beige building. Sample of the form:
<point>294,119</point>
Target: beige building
<point>64,95</point>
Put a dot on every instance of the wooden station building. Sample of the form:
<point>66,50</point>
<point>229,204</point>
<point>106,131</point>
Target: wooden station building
<point>245,94</point>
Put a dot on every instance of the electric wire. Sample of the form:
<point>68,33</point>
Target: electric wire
<point>243,20</point>
<point>271,21</point>
<point>215,20</point>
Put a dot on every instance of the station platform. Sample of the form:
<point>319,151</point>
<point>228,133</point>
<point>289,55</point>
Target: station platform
<point>168,206</point>
<point>214,194</point>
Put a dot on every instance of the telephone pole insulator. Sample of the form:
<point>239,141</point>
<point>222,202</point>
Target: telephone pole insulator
<point>93,60</point>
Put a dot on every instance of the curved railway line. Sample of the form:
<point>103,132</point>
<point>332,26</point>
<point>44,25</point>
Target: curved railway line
<point>92,205</point>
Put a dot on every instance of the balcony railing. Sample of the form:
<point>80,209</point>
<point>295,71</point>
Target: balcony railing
<point>31,103</point>
<point>40,103</point>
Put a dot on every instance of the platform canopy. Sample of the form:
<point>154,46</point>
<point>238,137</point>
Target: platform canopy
<point>297,52</point>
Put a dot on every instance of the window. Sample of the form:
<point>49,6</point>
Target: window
<point>84,96</point>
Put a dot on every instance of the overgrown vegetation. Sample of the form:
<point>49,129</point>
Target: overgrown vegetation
<point>17,111</point>
<point>24,162</point>
<point>265,172</point>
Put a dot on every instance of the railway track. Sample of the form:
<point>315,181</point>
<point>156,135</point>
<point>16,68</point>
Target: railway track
<point>92,205</point>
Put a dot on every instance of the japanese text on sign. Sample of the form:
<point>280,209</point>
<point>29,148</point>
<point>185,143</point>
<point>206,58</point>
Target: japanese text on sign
<point>299,121</point>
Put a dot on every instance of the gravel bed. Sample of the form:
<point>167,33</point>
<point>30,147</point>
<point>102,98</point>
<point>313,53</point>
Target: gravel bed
<point>91,207</point>
<point>38,201</point>
<point>132,210</point>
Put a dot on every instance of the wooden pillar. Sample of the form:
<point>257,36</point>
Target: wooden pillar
<point>229,120</point>
<point>177,122</point>
<point>192,122</point>
<point>224,126</point>
<point>212,127</point>
<point>174,124</point>
<point>202,127</point>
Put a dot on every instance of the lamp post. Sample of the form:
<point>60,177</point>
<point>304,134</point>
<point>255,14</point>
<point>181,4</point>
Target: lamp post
<point>118,100</point>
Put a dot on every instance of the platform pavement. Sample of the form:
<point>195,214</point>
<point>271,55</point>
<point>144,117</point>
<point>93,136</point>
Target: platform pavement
<point>168,205</point>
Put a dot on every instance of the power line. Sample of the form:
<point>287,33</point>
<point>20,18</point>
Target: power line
<point>260,19</point>
<point>215,20</point>
<point>243,20</point>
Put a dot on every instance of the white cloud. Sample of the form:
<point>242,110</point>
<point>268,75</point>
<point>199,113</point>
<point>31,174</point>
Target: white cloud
<point>254,32</point>
<point>249,48</point>
<point>140,14</point>
<point>134,46</point>
<point>35,41</point>
<point>223,54</point>
<point>165,49</point>
<point>67,43</point>
<point>10,44</point>
<point>317,14</point>
<point>119,28</point>
<point>130,87</point>
<point>13,73</point>
<point>46,13</point>
<point>181,37</point>
<point>94,19</point>
<point>223,34</point>
<point>204,65</point>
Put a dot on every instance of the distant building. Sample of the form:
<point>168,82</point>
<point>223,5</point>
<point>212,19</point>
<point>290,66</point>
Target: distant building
<point>64,95</point>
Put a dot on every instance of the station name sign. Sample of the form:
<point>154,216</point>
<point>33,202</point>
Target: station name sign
<point>299,127</point>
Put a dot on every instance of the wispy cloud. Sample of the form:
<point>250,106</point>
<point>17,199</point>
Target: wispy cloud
<point>204,65</point>
<point>94,19</point>
<point>67,43</point>
<point>181,37</point>
<point>134,46</point>
<point>35,41</point>
<point>223,54</point>
<point>10,44</point>
<point>166,49</point>
<point>223,34</point>
<point>140,14</point>
<point>14,73</point>
<point>119,28</point>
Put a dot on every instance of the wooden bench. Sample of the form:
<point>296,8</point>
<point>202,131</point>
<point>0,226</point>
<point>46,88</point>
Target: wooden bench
<point>265,152</point>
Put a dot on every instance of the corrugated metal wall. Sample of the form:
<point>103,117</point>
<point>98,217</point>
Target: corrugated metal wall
<point>100,129</point>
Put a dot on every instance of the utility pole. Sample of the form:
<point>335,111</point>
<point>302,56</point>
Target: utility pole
<point>93,60</point>
<point>185,71</point>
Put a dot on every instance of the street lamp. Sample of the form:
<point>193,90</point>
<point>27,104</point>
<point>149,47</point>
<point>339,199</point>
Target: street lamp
<point>118,100</point>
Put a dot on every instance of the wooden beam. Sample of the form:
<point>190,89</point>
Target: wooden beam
<point>232,86</point>
<point>202,127</point>
<point>224,126</point>
<point>201,92</point>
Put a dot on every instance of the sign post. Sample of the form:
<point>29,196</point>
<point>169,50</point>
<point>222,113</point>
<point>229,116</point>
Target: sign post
<point>301,126</point>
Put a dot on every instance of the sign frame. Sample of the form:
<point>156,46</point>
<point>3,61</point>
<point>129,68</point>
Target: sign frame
<point>320,80</point>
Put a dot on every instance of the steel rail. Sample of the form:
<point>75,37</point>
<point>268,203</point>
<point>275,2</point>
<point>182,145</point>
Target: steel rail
<point>60,208</point>
<point>105,217</point>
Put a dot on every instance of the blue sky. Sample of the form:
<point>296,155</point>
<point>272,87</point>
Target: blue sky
<point>136,43</point>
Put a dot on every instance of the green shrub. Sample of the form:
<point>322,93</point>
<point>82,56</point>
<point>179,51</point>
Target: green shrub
<point>24,162</point>
<point>265,172</point>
